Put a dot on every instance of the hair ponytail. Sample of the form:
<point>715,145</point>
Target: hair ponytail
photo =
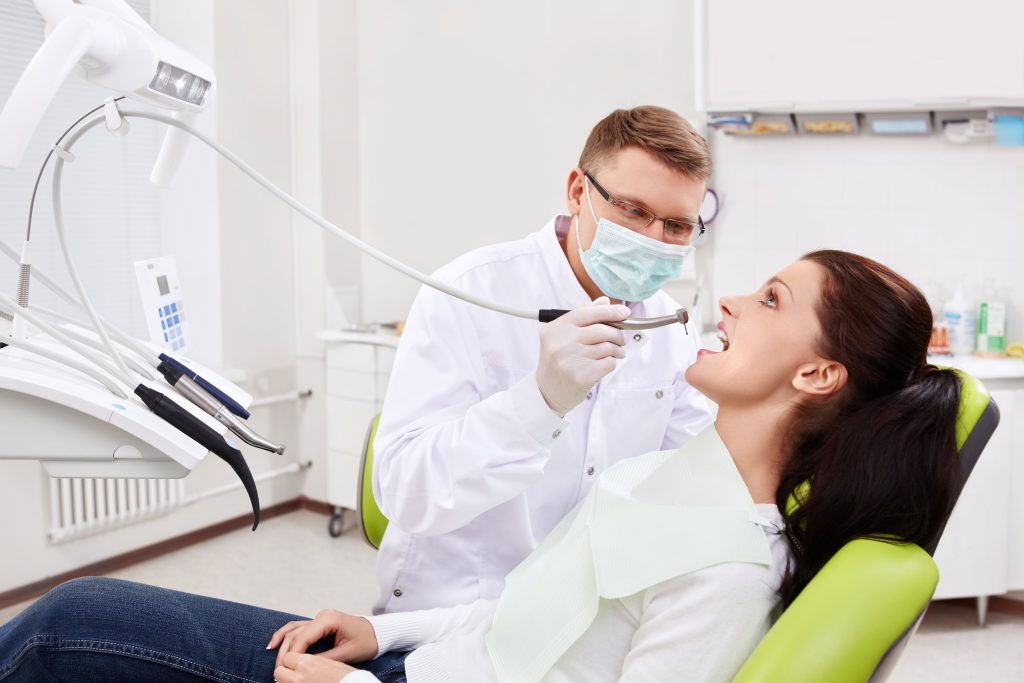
<point>879,458</point>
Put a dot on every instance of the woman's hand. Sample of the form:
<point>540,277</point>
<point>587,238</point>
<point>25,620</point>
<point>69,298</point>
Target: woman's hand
<point>299,668</point>
<point>354,639</point>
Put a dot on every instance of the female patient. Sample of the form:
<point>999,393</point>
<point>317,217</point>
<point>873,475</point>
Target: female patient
<point>669,569</point>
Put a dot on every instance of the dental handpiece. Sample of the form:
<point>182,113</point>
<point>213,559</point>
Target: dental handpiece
<point>215,409</point>
<point>681,316</point>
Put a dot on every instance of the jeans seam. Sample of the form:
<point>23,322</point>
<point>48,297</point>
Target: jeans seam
<point>126,649</point>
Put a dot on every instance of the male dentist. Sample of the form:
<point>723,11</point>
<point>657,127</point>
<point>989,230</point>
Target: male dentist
<point>494,427</point>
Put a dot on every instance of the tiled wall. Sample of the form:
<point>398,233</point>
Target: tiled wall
<point>936,212</point>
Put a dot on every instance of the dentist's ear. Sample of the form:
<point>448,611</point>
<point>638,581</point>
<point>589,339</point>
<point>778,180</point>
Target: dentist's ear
<point>574,191</point>
<point>824,378</point>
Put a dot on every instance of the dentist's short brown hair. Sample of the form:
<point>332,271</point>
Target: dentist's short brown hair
<point>658,131</point>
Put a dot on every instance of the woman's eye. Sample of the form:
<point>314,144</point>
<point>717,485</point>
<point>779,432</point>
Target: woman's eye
<point>769,299</point>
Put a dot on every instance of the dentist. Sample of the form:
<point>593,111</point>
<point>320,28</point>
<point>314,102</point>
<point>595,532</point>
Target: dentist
<point>490,432</point>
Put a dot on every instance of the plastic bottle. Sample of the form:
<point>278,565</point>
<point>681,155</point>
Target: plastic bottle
<point>991,340</point>
<point>961,317</point>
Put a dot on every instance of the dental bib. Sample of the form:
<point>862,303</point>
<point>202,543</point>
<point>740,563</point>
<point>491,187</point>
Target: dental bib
<point>649,519</point>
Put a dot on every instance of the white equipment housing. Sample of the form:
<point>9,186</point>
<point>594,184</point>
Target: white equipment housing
<point>77,428</point>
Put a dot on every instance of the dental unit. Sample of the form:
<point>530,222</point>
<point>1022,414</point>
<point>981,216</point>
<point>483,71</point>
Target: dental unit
<point>87,399</point>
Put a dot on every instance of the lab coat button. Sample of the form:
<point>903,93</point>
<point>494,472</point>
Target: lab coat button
<point>555,434</point>
<point>590,395</point>
<point>637,336</point>
<point>590,471</point>
<point>398,592</point>
<point>659,394</point>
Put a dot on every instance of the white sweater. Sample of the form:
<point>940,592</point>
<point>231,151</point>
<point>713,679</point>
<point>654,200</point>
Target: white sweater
<point>698,627</point>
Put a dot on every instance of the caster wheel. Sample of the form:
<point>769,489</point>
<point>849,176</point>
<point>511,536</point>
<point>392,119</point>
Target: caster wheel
<point>336,524</point>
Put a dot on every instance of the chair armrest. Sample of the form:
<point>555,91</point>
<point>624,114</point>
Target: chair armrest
<point>847,618</point>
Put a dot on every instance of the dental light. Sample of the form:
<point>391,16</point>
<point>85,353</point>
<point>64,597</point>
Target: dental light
<point>117,50</point>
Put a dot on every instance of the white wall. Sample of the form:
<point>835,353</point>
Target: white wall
<point>936,212</point>
<point>472,115</point>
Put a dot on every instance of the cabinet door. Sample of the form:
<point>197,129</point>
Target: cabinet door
<point>972,556</point>
<point>1012,415</point>
<point>808,54</point>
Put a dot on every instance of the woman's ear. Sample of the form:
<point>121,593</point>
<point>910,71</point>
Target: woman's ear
<point>824,378</point>
<point>574,191</point>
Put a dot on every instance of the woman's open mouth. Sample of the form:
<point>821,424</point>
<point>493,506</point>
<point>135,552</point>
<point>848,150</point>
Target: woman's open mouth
<point>723,336</point>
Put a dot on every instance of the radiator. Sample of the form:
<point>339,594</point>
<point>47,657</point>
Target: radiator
<point>81,507</point>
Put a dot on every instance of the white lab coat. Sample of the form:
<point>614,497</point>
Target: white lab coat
<point>471,467</point>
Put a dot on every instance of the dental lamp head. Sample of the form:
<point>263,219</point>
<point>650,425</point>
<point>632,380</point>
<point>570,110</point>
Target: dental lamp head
<point>117,50</point>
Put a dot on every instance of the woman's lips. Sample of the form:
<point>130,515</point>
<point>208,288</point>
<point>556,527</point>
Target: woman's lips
<point>707,352</point>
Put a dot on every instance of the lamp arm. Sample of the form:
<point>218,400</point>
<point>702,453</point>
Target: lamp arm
<point>69,42</point>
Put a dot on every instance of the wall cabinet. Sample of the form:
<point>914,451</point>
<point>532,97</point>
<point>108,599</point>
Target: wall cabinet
<point>875,55</point>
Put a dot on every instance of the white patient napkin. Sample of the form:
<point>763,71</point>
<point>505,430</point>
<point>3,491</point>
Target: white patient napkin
<point>649,519</point>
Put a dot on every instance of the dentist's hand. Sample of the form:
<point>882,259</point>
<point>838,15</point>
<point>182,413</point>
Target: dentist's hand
<point>577,350</point>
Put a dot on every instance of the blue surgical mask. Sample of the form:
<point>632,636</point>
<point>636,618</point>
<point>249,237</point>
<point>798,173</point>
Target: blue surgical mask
<point>626,265</point>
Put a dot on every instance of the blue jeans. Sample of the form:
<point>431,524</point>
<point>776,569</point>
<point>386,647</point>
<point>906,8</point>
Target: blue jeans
<point>95,629</point>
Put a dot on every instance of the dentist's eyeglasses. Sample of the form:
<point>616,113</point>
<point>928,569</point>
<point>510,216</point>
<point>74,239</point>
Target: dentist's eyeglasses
<point>677,230</point>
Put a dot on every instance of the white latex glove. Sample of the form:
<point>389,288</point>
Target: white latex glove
<point>577,350</point>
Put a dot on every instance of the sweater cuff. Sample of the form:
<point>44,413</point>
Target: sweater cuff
<point>360,677</point>
<point>396,631</point>
<point>533,414</point>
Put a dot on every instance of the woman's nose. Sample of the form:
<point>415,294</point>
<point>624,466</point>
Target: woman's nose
<point>729,306</point>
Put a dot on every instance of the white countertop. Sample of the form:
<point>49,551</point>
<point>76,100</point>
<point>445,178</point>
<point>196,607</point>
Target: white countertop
<point>983,368</point>
<point>355,337</point>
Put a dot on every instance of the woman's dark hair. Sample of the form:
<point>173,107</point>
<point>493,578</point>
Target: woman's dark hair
<point>879,457</point>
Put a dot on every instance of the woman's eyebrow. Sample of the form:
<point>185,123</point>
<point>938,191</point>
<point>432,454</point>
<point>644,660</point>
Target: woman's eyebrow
<point>774,279</point>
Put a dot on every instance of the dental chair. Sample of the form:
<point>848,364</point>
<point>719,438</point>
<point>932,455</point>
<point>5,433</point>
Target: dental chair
<point>370,519</point>
<point>853,620</point>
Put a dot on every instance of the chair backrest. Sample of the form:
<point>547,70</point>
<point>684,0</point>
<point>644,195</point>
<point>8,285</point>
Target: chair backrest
<point>372,522</point>
<point>852,621</point>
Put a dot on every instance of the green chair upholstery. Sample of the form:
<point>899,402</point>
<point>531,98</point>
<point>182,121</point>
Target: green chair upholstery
<point>852,621</point>
<point>372,522</point>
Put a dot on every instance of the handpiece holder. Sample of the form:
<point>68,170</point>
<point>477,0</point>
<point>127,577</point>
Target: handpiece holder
<point>189,425</point>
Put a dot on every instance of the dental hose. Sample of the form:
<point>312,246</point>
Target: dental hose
<point>162,405</point>
<point>545,315</point>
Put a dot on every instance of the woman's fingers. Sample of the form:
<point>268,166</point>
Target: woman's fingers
<point>283,674</point>
<point>300,668</point>
<point>299,640</point>
<point>279,634</point>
